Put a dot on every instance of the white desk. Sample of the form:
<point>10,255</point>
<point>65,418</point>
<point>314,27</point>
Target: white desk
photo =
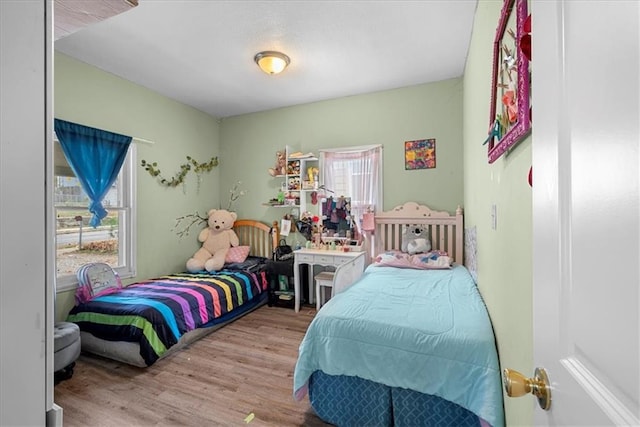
<point>316,257</point>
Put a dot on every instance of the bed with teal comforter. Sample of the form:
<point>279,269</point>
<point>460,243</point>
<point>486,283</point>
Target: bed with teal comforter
<point>425,332</point>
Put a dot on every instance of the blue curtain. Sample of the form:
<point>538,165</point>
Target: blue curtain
<point>95,156</point>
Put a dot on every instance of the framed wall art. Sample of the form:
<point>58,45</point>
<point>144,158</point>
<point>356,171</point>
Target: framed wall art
<point>420,154</point>
<point>510,113</point>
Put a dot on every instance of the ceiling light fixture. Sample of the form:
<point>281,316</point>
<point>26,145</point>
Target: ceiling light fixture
<point>272,62</point>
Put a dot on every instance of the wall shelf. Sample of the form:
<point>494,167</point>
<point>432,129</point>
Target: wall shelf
<point>296,183</point>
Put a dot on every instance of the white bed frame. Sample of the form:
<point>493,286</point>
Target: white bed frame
<point>446,232</point>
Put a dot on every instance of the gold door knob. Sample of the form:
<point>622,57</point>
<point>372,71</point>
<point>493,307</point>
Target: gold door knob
<point>516,385</point>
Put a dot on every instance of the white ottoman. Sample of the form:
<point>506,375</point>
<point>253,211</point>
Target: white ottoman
<point>66,349</point>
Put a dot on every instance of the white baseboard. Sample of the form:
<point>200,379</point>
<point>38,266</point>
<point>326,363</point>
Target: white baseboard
<point>54,416</point>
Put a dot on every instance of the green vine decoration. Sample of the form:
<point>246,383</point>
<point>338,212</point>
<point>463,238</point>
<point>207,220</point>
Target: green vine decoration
<point>178,179</point>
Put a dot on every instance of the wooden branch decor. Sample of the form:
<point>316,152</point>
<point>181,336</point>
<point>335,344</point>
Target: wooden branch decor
<point>184,223</point>
<point>178,179</point>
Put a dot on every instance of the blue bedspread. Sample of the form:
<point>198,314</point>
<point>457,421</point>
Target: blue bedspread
<point>424,330</point>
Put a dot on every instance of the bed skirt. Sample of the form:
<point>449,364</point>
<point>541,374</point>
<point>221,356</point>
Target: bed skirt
<point>351,401</point>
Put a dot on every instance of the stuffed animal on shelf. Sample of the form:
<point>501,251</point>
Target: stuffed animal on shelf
<point>216,240</point>
<point>415,240</point>
<point>280,167</point>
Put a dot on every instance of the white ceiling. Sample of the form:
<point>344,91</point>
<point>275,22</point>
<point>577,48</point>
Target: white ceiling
<point>201,52</point>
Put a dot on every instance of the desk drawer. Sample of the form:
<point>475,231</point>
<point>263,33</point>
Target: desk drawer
<point>323,259</point>
<point>339,260</point>
<point>305,258</point>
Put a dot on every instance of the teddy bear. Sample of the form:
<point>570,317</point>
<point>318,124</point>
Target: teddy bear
<point>415,240</point>
<point>280,167</point>
<point>216,240</point>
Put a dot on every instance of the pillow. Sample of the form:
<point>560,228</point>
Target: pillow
<point>415,240</point>
<point>435,260</point>
<point>237,254</point>
<point>252,264</point>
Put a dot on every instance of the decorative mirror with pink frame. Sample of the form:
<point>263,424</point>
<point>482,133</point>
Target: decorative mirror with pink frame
<point>510,119</point>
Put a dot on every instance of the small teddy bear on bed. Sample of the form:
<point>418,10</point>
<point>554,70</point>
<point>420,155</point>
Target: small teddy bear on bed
<point>216,240</point>
<point>415,240</point>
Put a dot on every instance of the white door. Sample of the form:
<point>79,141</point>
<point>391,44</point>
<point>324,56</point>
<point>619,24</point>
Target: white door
<point>26,288</point>
<point>586,217</point>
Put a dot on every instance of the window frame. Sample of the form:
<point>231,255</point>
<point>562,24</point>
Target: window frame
<point>358,204</point>
<point>126,240</point>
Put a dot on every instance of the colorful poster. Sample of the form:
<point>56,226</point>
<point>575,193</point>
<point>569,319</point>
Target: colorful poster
<point>420,154</point>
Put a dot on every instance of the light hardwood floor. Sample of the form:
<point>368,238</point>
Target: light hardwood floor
<point>243,368</point>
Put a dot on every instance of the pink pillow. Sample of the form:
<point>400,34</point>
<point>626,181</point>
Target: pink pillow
<point>434,260</point>
<point>237,254</point>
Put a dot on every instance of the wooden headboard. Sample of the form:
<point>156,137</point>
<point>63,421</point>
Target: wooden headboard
<point>261,237</point>
<point>445,230</point>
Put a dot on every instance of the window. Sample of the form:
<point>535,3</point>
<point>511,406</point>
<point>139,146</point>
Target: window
<point>354,172</point>
<point>77,243</point>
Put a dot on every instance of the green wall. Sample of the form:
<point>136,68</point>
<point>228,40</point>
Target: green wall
<point>89,96</point>
<point>246,146</point>
<point>504,254</point>
<point>249,143</point>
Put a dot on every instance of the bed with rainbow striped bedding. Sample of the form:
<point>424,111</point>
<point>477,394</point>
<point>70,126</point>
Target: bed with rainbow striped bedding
<point>157,313</point>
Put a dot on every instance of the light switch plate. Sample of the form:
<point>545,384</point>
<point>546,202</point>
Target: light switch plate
<point>494,217</point>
